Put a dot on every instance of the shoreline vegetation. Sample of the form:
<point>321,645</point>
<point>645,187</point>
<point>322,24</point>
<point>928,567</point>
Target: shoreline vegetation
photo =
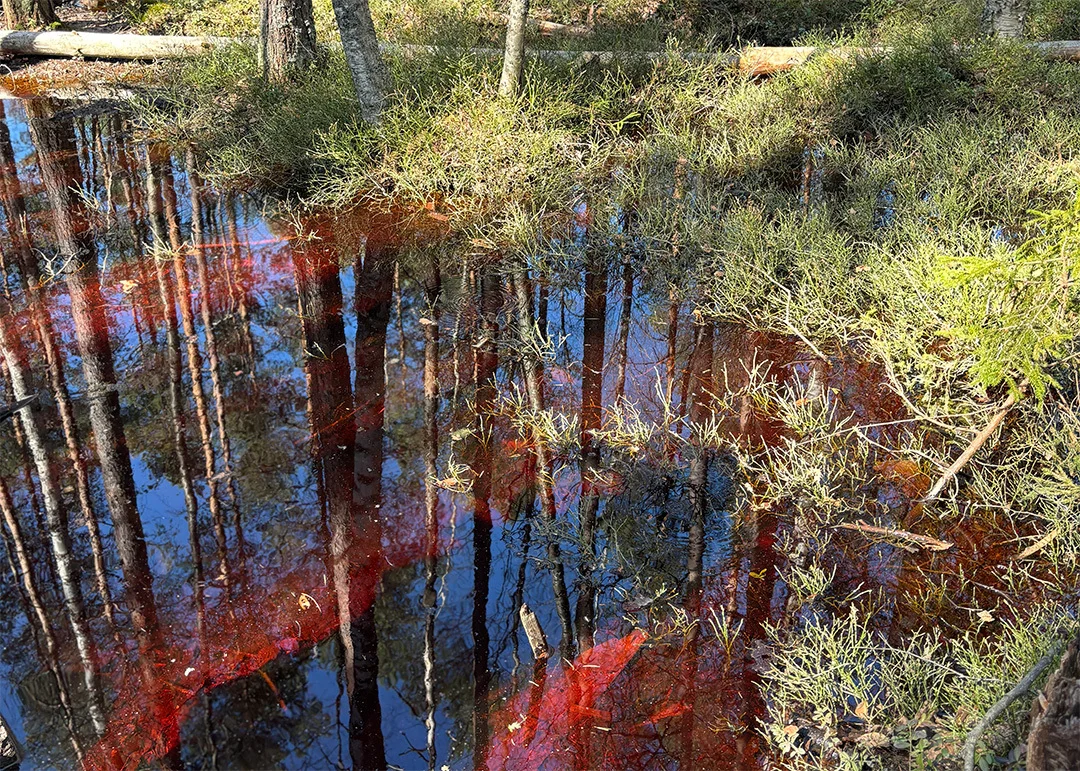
<point>915,207</point>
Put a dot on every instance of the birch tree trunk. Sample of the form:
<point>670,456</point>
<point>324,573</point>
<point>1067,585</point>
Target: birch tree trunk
<point>1005,18</point>
<point>370,76</point>
<point>59,530</point>
<point>286,38</point>
<point>514,56</point>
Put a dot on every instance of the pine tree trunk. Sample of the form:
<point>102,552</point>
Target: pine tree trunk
<point>28,14</point>
<point>286,38</point>
<point>370,76</point>
<point>514,56</point>
<point>1005,18</point>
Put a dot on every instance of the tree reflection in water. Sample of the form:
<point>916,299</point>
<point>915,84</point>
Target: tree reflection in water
<point>283,517</point>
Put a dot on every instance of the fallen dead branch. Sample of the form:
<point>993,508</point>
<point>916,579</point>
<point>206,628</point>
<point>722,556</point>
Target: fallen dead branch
<point>976,443</point>
<point>1003,703</point>
<point>909,540</point>
<point>1039,545</point>
<point>757,60</point>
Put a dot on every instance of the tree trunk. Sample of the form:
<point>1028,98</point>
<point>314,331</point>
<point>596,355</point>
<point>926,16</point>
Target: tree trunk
<point>486,365</point>
<point>55,144</point>
<point>432,290</point>
<point>371,78</point>
<point>1005,18</point>
<point>514,55</point>
<point>28,13</point>
<point>286,38</point>
<point>592,406</point>
<point>1054,741</point>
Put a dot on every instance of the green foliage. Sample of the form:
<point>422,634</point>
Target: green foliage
<point>829,672</point>
<point>1021,308</point>
<point>1054,20</point>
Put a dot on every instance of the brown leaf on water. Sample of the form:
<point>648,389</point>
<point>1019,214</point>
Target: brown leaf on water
<point>874,740</point>
<point>913,482</point>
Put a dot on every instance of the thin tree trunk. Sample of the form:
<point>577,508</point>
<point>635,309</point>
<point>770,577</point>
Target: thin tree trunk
<point>701,367</point>
<point>286,38</point>
<point>531,368</point>
<point>59,531</point>
<point>486,364</point>
<point>27,463</point>
<point>622,336</point>
<point>514,55</point>
<point>243,302</point>
<point>370,76</point>
<point>33,597</point>
<point>592,407</point>
<point>1005,18</point>
<point>432,290</point>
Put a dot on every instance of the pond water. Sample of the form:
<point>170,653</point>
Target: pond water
<point>289,481</point>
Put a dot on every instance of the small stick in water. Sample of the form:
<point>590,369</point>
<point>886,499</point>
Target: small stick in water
<point>925,541</point>
<point>8,410</point>
<point>537,640</point>
<point>973,448</point>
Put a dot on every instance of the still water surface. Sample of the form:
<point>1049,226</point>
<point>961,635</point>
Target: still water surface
<point>289,481</point>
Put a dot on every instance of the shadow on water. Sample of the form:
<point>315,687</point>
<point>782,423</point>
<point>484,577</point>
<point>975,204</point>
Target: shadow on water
<point>290,480</point>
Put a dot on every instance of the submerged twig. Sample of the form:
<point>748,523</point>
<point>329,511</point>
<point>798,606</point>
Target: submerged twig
<point>976,443</point>
<point>925,541</point>
<point>535,633</point>
<point>1003,703</point>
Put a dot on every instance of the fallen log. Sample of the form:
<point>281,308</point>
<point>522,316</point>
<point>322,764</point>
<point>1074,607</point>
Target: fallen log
<point>758,60</point>
<point>101,45</point>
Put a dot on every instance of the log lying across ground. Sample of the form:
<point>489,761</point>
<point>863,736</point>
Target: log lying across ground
<point>760,60</point>
<point>100,45</point>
